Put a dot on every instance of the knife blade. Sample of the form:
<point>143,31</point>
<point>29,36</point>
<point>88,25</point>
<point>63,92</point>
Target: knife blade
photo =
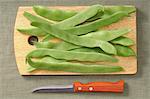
<point>80,87</point>
<point>58,88</point>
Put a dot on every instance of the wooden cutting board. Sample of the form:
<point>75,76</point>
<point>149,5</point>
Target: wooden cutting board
<point>22,48</point>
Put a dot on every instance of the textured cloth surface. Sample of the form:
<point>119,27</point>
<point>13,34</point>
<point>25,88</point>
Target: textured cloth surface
<point>14,86</point>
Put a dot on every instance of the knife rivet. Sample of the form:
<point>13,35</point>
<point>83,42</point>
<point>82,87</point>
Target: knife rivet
<point>79,88</point>
<point>90,88</point>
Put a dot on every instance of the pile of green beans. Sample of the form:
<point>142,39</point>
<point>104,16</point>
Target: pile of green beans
<point>86,42</point>
<point>82,39</point>
<point>81,17</point>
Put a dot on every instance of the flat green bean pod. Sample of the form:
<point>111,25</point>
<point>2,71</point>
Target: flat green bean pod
<point>30,68</point>
<point>85,49</point>
<point>97,16</point>
<point>92,26</point>
<point>105,46</point>
<point>109,10</point>
<point>34,18</point>
<point>124,51</point>
<point>66,47</point>
<point>70,55</point>
<point>32,31</point>
<point>74,67</point>
<point>112,9</point>
<point>45,44</point>
<point>61,45</point>
<point>107,35</point>
<point>123,41</point>
<point>53,14</point>
<point>45,59</point>
<point>80,17</point>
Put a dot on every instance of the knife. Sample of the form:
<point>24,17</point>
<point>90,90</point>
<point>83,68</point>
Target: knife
<point>117,87</point>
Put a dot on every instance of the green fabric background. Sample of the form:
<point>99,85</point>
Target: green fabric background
<point>14,86</point>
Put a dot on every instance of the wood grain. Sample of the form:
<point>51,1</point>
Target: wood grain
<point>22,48</point>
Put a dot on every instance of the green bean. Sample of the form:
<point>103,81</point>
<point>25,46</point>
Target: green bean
<point>109,10</point>
<point>45,44</point>
<point>30,68</point>
<point>35,32</point>
<point>34,18</point>
<point>105,46</point>
<point>32,31</point>
<point>124,51</point>
<point>80,17</point>
<point>70,55</point>
<point>106,35</point>
<point>45,59</point>
<point>123,41</point>
<point>97,16</point>
<point>53,14</point>
<point>74,67</point>
<point>61,45</point>
<point>112,9</point>
<point>85,49</point>
<point>51,59</point>
<point>66,47</point>
<point>92,26</point>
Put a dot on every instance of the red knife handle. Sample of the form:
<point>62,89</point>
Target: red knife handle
<point>99,86</point>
